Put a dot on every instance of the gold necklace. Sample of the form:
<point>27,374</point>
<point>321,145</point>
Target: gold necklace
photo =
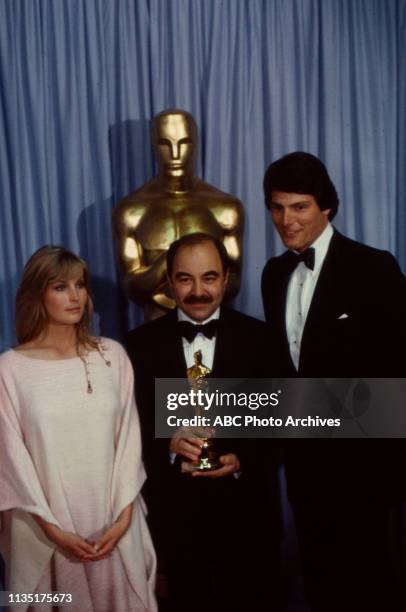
<point>84,358</point>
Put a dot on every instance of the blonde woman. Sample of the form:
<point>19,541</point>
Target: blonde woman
<point>70,452</point>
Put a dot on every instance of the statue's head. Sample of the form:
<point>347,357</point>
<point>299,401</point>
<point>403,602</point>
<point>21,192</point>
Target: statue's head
<point>174,134</point>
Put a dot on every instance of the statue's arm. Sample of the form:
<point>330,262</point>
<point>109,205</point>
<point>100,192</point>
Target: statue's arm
<point>142,273</point>
<point>143,281</point>
<point>231,219</point>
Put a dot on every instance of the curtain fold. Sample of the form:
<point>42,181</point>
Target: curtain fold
<point>80,81</point>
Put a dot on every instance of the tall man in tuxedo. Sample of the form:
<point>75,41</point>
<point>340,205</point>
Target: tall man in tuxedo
<point>336,308</point>
<point>207,527</point>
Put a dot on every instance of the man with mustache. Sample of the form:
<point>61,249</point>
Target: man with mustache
<point>207,527</point>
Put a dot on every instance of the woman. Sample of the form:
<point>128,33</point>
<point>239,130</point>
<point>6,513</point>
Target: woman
<point>70,455</point>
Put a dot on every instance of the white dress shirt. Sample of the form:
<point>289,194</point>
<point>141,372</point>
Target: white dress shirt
<point>206,345</point>
<point>302,284</point>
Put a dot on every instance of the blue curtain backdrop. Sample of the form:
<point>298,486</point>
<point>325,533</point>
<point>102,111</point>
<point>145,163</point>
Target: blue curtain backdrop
<point>81,79</point>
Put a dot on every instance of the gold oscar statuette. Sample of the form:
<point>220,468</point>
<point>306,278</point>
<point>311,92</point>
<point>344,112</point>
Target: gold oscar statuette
<point>197,376</point>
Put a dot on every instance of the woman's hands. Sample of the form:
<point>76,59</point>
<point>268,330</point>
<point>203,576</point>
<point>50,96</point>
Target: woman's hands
<point>78,547</point>
<point>104,545</point>
<point>73,544</point>
<point>70,543</point>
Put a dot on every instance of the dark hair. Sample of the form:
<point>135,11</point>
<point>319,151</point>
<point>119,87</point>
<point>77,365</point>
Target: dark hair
<point>301,172</point>
<point>192,240</point>
<point>45,266</point>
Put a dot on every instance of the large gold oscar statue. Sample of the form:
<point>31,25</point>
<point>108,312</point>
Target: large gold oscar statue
<point>172,204</point>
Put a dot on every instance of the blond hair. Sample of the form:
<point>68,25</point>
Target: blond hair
<point>46,266</point>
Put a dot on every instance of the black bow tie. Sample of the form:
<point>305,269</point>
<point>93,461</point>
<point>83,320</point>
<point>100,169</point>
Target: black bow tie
<point>189,331</point>
<point>306,256</point>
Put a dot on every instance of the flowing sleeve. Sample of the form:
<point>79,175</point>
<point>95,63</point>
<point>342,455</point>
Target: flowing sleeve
<point>128,473</point>
<point>20,487</point>
<point>135,546</point>
<point>24,546</point>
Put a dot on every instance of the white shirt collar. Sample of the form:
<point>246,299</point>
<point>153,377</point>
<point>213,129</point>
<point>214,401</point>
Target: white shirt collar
<point>182,316</point>
<point>320,246</point>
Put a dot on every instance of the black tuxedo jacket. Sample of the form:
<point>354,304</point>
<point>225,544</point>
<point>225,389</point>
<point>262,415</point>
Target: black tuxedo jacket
<point>207,531</point>
<point>242,351</point>
<point>367,286</point>
<point>241,347</point>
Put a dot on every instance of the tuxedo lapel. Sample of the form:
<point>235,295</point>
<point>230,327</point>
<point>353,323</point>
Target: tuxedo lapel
<point>277,316</point>
<point>170,348</point>
<point>225,346</point>
<point>327,297</point>
<point>280,289</point>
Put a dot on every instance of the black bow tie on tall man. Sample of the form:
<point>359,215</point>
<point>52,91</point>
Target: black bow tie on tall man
<point>306,256</point>
<point>189,331</point>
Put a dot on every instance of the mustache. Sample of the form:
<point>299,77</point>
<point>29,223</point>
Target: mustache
<point>198,299</point>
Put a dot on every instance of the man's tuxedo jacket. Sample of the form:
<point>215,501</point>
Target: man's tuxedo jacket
<point>356,327</point>
<point>356,324</point>
<point>242,351</point>
<point>208,530</point>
